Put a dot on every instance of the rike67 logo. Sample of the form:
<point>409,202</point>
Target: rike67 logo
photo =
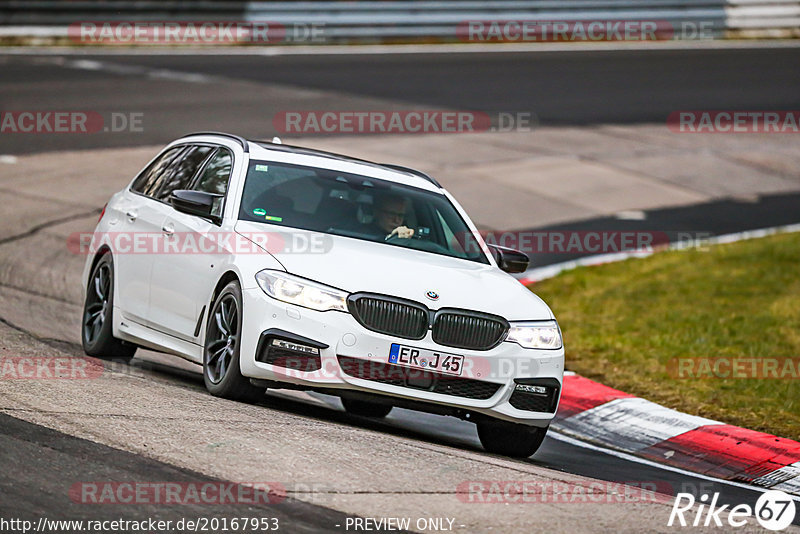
<point>774,510</point>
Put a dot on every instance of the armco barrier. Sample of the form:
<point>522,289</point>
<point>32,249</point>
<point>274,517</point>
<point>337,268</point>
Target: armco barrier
<point>419,21</point>
<point>439,20</point>
<point>762,18</point>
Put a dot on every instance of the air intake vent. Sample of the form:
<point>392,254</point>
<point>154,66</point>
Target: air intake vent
<point>468,330</point>
<point>396,375</point>
<point>389,315</point>
<point>535,394</point>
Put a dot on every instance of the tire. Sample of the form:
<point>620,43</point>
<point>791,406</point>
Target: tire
<point>510,439</point>
<point>221,371</point>
<point>97,320</point>
<point>365,408</point>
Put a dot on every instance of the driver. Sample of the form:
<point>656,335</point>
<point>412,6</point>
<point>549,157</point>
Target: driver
<point>389,211</point>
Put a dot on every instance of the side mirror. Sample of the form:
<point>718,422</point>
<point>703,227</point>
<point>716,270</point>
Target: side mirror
<point>510,260</point>
<point>195,203</point>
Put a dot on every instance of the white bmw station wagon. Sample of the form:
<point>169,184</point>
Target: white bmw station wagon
<point>275,266</point>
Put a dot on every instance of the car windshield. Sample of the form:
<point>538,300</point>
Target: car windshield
<point>356,206</point>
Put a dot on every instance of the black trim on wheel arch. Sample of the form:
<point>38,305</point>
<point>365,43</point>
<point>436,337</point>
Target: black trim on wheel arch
<point>199,322</point>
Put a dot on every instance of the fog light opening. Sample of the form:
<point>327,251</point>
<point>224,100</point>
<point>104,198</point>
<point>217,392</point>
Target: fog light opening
<point>536,390</point>
<point>295,347</point>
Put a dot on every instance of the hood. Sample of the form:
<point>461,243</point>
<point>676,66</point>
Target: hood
<point>354,265</point>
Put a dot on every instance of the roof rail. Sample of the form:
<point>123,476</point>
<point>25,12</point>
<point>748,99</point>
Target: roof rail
<point>412,171</point>
<point>309,151</point>
<point>241,140</point>
<point>314,152</point>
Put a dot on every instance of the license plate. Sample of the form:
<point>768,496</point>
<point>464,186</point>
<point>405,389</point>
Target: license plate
<point>430,360</point>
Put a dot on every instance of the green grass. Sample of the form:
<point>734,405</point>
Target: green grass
<point>623,322</point>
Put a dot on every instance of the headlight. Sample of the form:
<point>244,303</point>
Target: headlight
<point>295,290</point>
<point>535,334</point>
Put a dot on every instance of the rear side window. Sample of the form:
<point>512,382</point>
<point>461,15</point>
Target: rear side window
<point>182,171</point>
<point>148,181</point>
<point>214,177</point>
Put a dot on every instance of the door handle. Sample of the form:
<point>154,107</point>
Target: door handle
<point>131,215</point>
<point>168,229</point>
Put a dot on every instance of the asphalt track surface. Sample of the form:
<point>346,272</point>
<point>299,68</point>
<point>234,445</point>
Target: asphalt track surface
<point>685,225</point>
<point>38,488</point>
<point>32,493</point>
<point>559,88</point>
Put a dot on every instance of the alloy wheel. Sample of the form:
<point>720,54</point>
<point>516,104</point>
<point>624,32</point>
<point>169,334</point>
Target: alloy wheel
<point>222,339</point>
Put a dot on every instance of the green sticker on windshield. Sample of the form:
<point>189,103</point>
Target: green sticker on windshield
<point>262,168</point>
<point>260,212</point>
<point>271,218</point>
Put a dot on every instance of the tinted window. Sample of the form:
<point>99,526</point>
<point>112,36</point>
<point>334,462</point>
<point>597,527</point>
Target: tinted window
<point>355,206</point>
<point>183,171</point>
<point>214,177</point>
<point>147,181</point>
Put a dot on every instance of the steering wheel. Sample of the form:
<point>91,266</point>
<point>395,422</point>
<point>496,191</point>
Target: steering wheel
<point>397,240</point>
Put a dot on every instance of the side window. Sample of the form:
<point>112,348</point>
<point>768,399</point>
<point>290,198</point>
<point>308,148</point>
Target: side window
<point>183,171</point>
<point>214,176</point>
<point>147,181</point>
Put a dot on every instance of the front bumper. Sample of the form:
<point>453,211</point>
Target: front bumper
<point>355,358</point>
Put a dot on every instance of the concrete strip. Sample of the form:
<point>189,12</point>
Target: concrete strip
<point>709,174</point>
<point>595,187</point>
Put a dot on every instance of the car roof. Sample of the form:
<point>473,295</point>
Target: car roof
<point>299,155</point>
